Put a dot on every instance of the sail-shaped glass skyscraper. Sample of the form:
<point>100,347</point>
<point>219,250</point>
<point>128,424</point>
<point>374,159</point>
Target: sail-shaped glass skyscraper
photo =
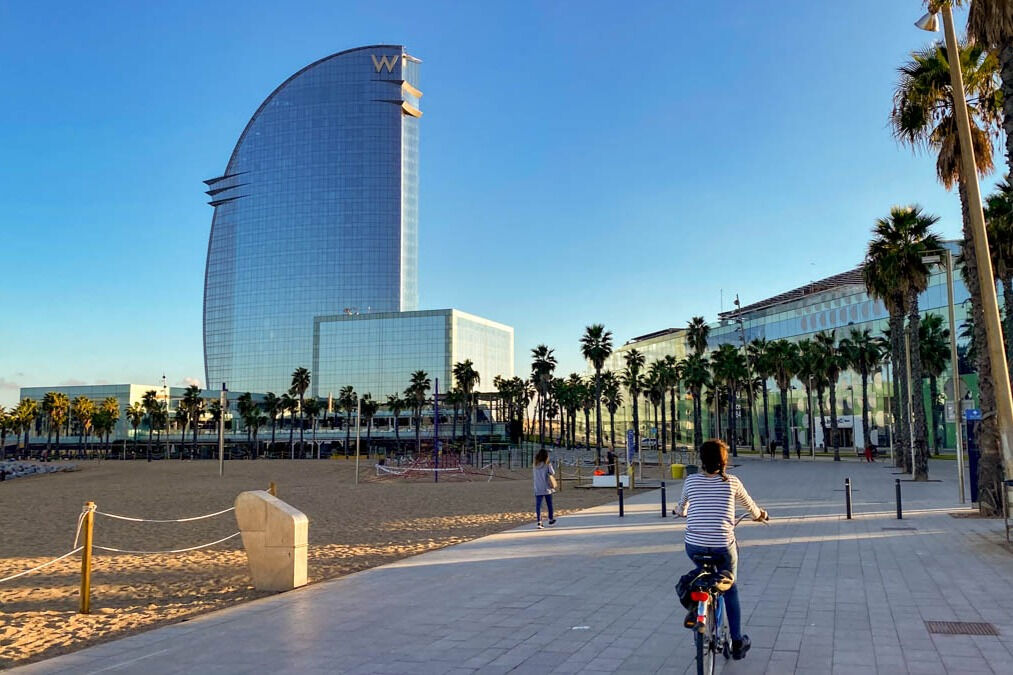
<point>316,215</point>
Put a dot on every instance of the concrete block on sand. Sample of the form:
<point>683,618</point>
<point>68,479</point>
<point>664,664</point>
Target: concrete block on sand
<point>275,536</point>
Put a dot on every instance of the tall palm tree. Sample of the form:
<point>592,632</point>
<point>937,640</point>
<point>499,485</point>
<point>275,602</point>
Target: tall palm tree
<point>612,396</point>
<point>990,24</point>
<point>783,355</point>
<point>596,347</point>
<point>673,378</point>
<point>696,335</point>
<point>831,363</point>
<point>757,355</point>
<point>657,385</point>
<point>934,345</point>
<point>272,407</point>
<point>194,404</point>
<point>311,409</point>
<point>27,410</point>
<point>999,219</point>
<point>633,380</point>
<point>369,410</point>
<point>728,368</point>
<point>467,378</point>
<point>895,271</point>
<point>348,401</point>
<point>135,415</point>
<point>182,417</point>
<point>862,354</point>
<point>418,393</point>
<point>924,116</point>
<point>396,404</point>
<point>696,375</point>
<point>82,408</point>
<point>806,364</point>
<point>300,383</point>
<point>150,404</point>
<point>543,364</point>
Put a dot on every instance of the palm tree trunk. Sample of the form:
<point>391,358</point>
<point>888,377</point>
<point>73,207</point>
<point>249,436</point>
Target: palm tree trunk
<point>348,430</point>
<point>664,424</point>
<point>612,430</point>
<point>833,421</point>
<point>597,416</point>
<point>823,416</point>
<point>301,425</point>
<point>783,421</point>
<point>587,429</point>
<point>867,440</point>
<point>902,452</point>
<point>749,411</point>
<point>766,416</point>
<point>934,409</point>
<point>1007,297</point>
<point>673,400</point>
<point>917,395</point>
<point>732,440</point>
<point>636,424</point>
<point>697,418</point>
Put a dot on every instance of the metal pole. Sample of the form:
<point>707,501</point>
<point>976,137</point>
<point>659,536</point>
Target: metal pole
<point>955,370</point>
<point>87,527</point>
<point>620,501</point>
<point>436,432</point>
<point>664,506</point>
<point>900,514</point>
<point>847,496</point>
<point>358,413</point>
<point>986,278</point>
<point>222,404</point>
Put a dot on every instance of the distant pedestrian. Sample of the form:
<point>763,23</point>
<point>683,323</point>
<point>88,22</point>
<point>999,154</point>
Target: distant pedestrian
<point>772,448</point>
<point>610,458</point>
<point>545,484</point>
<point>869,456</point>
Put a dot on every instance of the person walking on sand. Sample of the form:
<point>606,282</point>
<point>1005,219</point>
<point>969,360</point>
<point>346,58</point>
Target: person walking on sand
<point>545,484</point>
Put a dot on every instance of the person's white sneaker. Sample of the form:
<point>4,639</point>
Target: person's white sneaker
<point>539,526</point>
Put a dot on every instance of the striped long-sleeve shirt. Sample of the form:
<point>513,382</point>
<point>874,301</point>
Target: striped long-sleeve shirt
<point>710,502</point>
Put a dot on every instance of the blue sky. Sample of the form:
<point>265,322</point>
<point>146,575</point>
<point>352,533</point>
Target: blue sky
<point>623,163</point>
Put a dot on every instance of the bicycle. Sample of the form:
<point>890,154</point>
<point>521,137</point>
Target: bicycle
<point>710,631</point>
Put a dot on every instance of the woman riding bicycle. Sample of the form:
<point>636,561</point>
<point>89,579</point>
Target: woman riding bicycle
<point>708,502</point>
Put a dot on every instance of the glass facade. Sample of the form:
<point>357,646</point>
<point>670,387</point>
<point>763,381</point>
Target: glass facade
<point>315,215</point>
<point>377,353</point>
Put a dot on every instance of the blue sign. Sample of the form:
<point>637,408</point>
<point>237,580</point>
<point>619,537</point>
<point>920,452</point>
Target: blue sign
<point>631,445</point>
<point>972,415</point>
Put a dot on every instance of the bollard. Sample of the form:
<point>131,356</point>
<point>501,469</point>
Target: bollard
<point>847,496</point>
<point>272,489</point>
<point>86,526</point>
<point>620,501</point>
<point>900,513</point>
<point>664,506</point>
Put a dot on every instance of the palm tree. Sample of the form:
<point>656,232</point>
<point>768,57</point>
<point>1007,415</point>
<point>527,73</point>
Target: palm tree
<point>924,116</point>
<point>783,355</point>
<point>543,363</point>
<point>934,345</point>
<point>6,422</point>
<point>729,369</point>
<point>300,383</point>
<point>696,335</point>
<point>633,380</point>
<point>150,404</point>
<point>896,269</point>
<point>182,418</point>
<point>696,375</point>
<point>467,378</point>
<point>999,218</point>
<point>194,404</point>
<point>418,393</point>
<point>673,377</point>
<point>348,401</point>
<point>596,347</point>
<point>272,406</point>
<point>27,410</point>
<point>83,409</point>
<point>135,415</point>
<point>862,354</point>
<point>289,404</point>
<point>369,410</point>
<point>396,404</point>
<point>831,363</point>
<point>612,396</point>
<point>990,24</point>
<point>311,409</point>
<point>759,362</point>
<point>806,370</point>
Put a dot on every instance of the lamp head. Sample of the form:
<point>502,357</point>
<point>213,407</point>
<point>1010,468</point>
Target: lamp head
<point>928,22</point>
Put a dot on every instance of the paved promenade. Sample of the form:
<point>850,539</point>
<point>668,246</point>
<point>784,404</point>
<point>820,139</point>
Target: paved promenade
<point>820,594</point>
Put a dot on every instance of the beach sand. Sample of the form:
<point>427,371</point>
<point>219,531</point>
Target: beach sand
<point>352,527</point>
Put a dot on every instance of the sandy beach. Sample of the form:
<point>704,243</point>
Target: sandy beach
<point>352,527</point>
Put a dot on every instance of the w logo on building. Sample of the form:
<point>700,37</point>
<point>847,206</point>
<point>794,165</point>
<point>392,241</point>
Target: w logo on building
<point>383,61</point>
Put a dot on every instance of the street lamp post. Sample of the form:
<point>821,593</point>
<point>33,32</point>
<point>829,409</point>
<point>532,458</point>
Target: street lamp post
<point>969,181</point>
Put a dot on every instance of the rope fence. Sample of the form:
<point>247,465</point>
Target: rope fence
<point>169,520</point>
<point>45,564</point>
<point>175,550</point>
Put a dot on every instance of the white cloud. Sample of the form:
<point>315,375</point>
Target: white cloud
<point>187,381</point>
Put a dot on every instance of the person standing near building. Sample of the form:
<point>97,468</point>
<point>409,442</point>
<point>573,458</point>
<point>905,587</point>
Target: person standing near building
<point>545,484</point>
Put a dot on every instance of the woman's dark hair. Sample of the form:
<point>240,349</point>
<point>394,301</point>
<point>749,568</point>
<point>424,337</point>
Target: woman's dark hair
<point>714,457</point>
<point>542,457</point>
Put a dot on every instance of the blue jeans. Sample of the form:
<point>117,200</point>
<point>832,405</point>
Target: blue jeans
<point>538,506</point>
<point>727,559</point>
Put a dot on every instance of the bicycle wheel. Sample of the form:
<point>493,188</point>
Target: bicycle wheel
<point>705,645</point>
